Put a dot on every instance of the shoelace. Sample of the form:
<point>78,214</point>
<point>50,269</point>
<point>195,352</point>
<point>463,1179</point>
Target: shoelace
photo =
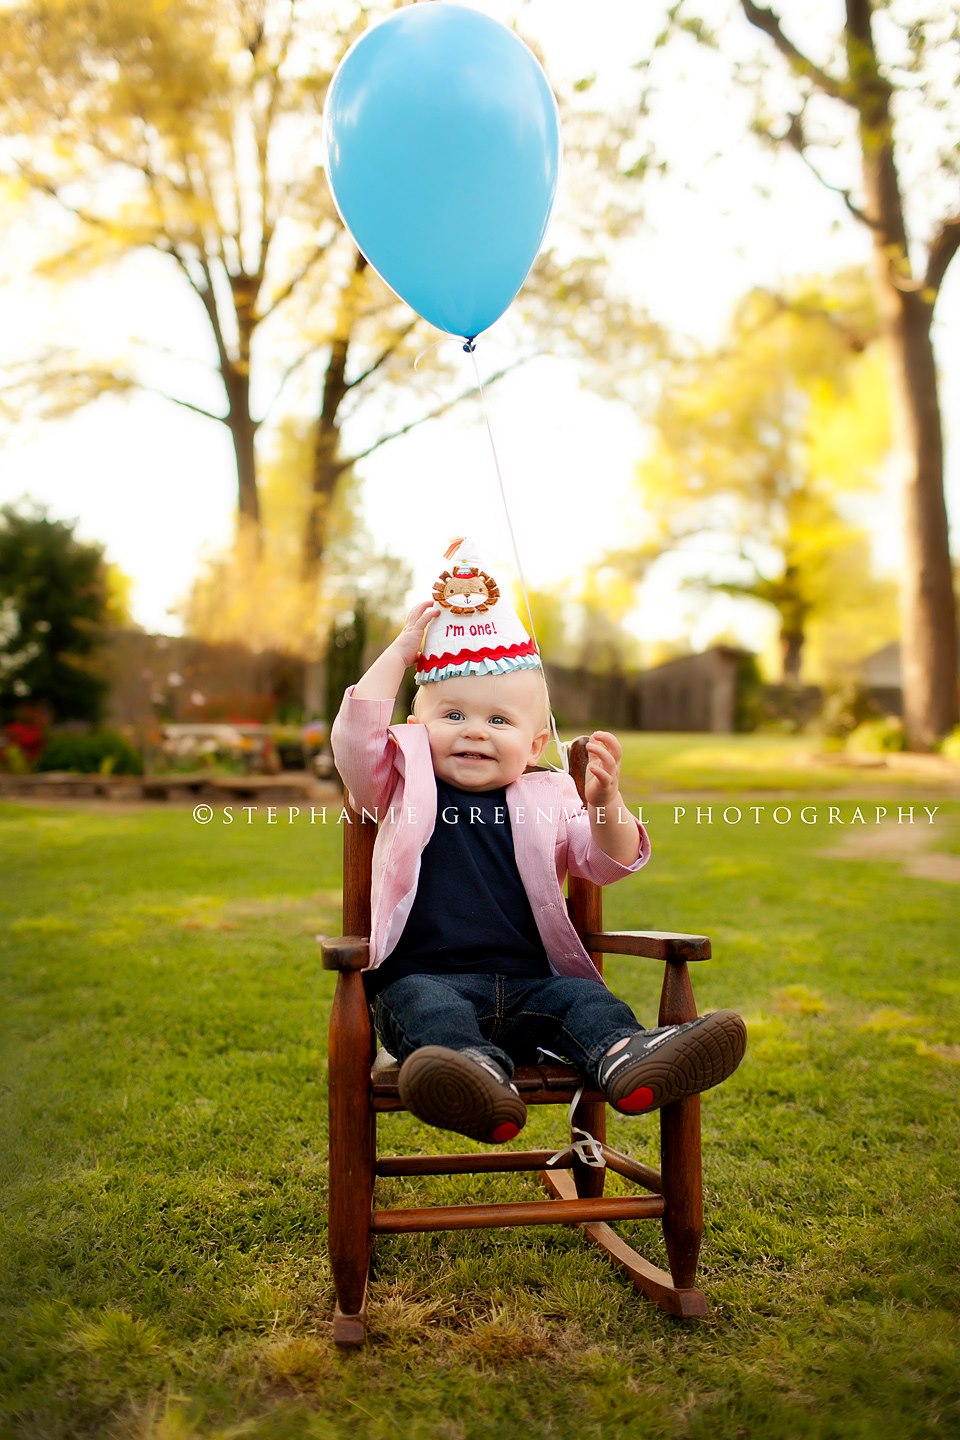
<point>584,1146</point>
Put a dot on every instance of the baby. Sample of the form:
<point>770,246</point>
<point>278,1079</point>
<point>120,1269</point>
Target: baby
<point>474,964</point>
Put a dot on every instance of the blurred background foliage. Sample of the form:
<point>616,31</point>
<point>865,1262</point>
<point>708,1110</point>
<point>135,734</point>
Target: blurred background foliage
<point>183,140</point>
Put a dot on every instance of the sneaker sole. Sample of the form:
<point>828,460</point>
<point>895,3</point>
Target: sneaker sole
<point>686,1064</point>
<point>449,1090</point>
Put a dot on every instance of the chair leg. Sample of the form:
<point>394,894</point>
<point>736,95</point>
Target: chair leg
<point>590,1115</point>
<point>680,1169</point>
<point>352,1157</point>
<point>680,1158</point>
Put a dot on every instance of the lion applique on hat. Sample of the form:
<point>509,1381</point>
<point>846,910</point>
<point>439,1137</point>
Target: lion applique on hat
<point>477,632</point>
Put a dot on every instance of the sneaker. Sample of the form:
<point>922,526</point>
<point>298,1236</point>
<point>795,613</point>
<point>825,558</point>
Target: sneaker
<point>462,1090</point>
<point>656,1067</point>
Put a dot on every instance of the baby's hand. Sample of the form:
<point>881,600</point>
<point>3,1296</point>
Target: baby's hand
<point>602,780</point>
<point>407,642</point>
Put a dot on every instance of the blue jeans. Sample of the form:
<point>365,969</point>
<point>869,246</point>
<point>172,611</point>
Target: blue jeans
<point>509,1020</point>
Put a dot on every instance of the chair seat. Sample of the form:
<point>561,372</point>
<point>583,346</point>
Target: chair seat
<point>538,1084</point>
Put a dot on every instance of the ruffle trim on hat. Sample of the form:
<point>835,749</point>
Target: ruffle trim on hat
<point>486,666</point>
<point>457,658</point>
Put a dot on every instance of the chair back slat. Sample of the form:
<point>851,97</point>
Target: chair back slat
<point>359,835</point>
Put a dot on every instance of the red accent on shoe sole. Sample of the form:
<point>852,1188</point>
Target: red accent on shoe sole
<point>636,1101</point>
<point>504,1132</point>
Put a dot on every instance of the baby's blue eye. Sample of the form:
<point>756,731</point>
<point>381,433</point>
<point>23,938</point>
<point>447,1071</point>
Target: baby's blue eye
<point>454,715</point>
<point>498,720</point>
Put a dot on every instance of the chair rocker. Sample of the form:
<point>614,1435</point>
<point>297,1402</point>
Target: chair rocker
<point>360,1090</point>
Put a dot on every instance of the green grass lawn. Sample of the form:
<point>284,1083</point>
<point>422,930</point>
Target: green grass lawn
<point>164,1272</point>
<point>655,763</point>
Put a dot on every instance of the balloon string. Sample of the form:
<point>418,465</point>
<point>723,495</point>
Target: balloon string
<point>423,354</point>
<point>562,746</point>
<point>427,348</point>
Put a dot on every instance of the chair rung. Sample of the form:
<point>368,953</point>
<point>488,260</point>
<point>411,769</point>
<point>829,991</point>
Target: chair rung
<point>524,1212</point>
<point>387,1101</point>
<point>538,1084</point>
<point>634,1170</point>
<point>464,1164</point>
<point>510,1160</point>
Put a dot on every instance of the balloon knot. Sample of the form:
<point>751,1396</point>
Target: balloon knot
<point>469,348</point>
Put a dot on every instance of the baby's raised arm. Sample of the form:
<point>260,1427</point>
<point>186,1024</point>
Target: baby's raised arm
<point>385,676</point>
<point>613,827</point>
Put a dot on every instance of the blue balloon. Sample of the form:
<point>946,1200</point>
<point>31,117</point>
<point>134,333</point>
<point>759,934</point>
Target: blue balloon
<point>442,148</point>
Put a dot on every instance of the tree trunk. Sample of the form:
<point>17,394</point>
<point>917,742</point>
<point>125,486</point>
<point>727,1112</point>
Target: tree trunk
<point>327,464</point>
<point>791,648</point>
<point>243,433</point>
<point>928,640</point>
<point>249,528</point>
<point>327,467</point>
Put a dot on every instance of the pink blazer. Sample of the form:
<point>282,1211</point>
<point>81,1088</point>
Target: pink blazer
<point>388,772</point>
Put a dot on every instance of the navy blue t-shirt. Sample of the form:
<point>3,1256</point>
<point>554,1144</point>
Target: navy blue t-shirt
<point>470,911</point>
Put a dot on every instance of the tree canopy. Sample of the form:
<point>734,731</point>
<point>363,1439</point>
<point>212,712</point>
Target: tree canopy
<point>756,443</point>
<point>55,605</point>
<point>189,136</point>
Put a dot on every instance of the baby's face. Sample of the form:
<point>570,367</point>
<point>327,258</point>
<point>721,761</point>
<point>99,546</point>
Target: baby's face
<point>484,729</point>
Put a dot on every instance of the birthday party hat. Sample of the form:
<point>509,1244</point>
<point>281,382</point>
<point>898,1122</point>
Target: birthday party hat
<point>477,632</point>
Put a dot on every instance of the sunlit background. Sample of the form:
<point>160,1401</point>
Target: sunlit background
<point>718,215</point>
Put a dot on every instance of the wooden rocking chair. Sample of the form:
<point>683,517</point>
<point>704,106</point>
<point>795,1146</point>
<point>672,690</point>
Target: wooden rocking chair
<point>359,1091</point>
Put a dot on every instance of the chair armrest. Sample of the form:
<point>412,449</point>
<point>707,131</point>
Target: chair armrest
<point>346,952</point>
<point>651,944</point>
